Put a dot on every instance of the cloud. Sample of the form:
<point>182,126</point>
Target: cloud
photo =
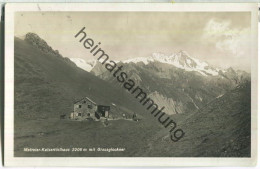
<point>232,41</point>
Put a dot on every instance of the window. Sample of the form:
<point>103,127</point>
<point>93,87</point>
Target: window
<point>90,106</point>
<point>84,101</point>
<point>88,114</point>
<point>79,106</point>
<point>79,114</point>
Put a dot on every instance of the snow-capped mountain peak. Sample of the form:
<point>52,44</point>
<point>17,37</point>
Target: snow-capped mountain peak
<point>81,63</point>
<point>180,60</point>
<point>138,59</point>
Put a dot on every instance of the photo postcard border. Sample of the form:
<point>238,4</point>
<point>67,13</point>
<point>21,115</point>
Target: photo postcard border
<point>10,160</point>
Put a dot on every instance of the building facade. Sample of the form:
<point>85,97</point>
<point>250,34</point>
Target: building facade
<point>87,109</point>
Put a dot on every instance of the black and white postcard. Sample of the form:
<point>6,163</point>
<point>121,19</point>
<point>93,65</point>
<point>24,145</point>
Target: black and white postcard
<point>130,84</point>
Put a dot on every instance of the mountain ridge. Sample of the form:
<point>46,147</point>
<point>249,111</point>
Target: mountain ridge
<point>179,72</point>
<point>47,84</point>
<point>175,84</point>
<point>181,60</point>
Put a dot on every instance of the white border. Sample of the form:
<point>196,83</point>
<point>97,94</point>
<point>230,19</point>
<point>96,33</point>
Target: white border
<point>11,8</point>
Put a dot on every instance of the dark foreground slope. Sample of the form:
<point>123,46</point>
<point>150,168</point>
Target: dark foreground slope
<point>221,129</point>
<point>46,86</point>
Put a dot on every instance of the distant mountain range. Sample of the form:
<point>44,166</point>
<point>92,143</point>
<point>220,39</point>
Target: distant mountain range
<point>180,60</point>
<point>179,82</point>
<point>211,106</point>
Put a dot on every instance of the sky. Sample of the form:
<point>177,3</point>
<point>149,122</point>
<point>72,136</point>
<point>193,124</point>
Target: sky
<point>220,38</point>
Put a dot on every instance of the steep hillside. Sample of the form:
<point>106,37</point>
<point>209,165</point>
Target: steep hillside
<point>189,89</point>
<point>47,84</point>
<point>220,129</point>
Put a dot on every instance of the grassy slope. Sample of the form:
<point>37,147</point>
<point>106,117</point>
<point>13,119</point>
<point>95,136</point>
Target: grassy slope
<point>52,81</point>
<point>191,89</point>
<point>220,129</point>
<point>45,87</point>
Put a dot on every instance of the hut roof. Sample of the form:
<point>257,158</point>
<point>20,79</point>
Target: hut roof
<point>85,98</point>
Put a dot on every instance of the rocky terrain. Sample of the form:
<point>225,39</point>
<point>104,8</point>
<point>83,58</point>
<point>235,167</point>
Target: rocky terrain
<point>178,82</point>
<point>214,110</point>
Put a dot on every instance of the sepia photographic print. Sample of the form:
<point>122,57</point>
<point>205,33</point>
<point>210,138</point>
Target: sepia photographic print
<point>130,84</point>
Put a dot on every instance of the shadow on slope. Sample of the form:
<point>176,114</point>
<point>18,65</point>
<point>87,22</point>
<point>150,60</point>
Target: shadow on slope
<point>46,86</point>
<point>220,129</point>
